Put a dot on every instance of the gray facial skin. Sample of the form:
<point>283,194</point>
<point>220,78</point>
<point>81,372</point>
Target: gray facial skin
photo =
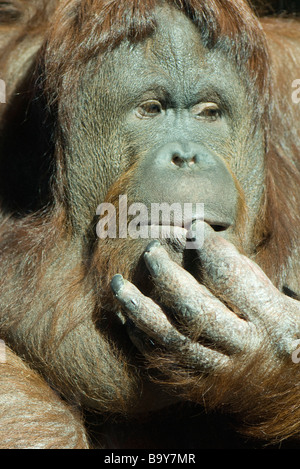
<point>202,112</point>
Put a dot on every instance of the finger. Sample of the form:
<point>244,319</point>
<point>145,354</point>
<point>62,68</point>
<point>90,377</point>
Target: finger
<point>194,305</point>
<point>236,277</point>
<point>141,340</point>
<point>149,317</point>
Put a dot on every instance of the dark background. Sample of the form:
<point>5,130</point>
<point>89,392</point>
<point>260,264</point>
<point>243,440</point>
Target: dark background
<point>277,6</point>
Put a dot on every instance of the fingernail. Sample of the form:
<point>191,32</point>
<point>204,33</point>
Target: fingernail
<point>152,264</point>
<point>117,283</point>
<point>153,245</point>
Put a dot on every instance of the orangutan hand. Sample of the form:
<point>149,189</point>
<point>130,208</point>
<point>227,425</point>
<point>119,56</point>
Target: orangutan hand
<point>241,318</point>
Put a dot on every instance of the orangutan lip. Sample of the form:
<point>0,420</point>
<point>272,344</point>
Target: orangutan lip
<point>216,225</point>
<point>177,236</point>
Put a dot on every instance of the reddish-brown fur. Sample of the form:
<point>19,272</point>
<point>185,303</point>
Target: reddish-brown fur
<point>48,423</point>
<point>77,33</point>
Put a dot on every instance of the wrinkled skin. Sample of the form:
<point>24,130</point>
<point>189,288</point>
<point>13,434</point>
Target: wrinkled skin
<point>161,120</point>
<point>160,70</point>
<point>241,319</point>
<point>258,308</point>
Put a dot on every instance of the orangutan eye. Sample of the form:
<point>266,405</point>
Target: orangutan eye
<point>207,111</point>
<point>149,109</point>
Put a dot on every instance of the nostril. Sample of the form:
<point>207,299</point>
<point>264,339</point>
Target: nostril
<point>177,159</point>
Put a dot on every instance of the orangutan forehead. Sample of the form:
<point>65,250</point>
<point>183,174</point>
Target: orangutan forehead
<point>98,27</point>
<point>164,70</point>
<point>85,31</point>
<point>175,30</point>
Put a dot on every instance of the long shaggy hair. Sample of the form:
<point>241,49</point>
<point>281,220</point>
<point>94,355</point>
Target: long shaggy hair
<point>49,287</point>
